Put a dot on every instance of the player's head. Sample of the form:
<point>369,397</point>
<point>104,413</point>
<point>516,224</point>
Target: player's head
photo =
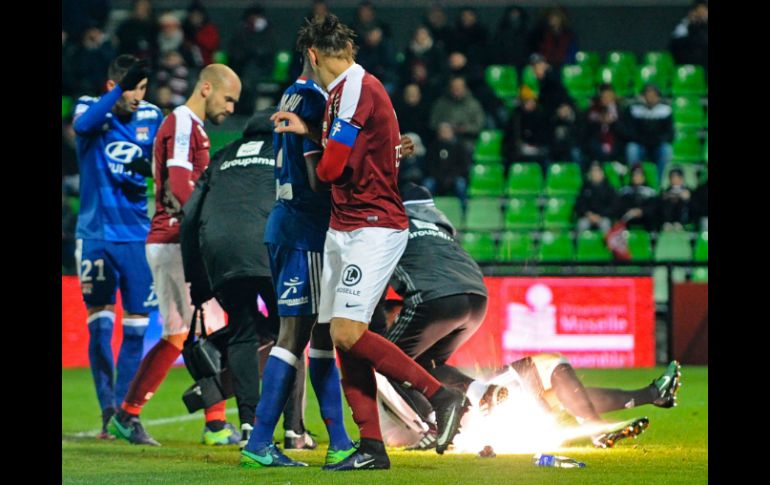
<point>330,46</point>
<point>220,88</point>
<point>129,100</point>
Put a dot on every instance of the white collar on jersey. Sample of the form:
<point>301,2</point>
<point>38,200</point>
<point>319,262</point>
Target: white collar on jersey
<point>355,68</point>
<point>190,112</point>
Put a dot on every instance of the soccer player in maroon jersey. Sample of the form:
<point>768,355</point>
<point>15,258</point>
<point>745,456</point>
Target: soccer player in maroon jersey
<point>368,232</point>
<point>181,154</point>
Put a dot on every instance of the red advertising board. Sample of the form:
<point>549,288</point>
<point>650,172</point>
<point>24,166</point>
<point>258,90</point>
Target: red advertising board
<point>593,321</point>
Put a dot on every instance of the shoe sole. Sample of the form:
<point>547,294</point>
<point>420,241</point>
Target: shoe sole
<point>676,383</point>
<point>632,430</point>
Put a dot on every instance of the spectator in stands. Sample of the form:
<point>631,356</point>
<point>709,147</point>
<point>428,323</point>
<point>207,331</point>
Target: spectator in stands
<point>554,38</point>
<point>470,37</point>
<point>70,172</point>
<point>251,52</point>
<point>565,130</point>
<point>412,167</point>
<point>69,221</point>
<point>690,40</point>
<point>69,83</point>
<point>473,73</point>
<point>675,201</point>
<point>89,61</point>
<point>699,206</point>
<point>602,138</point>
<point>171,38</point>
<point>163,98</point>
<point>366,19</point>
<point>638,204</point>
<point>511,38</point>
<point>594,204</point>
<point>200,32</point>
<point>80,15</point>
<point>527,135</point>
<point>377,57</point>
<point>447,164</point>
<point>138,34</point>
<point>438,22</point>
<point>413,112</point>
<point>461,110</point>
<point>425,62</point>
<point>319,9</point>
<point>649,129</point>
<point>172,72</point>
<point>552,92</point>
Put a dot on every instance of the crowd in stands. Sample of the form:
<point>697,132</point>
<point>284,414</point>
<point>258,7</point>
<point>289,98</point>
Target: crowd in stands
<point>440,88</point>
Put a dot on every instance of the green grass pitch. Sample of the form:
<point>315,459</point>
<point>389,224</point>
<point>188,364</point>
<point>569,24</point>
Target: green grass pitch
<point>674,449</point>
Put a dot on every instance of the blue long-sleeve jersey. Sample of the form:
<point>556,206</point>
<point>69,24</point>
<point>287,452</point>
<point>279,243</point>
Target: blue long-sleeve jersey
<point>113,199</point>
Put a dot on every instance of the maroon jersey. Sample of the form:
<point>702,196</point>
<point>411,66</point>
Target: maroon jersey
<point>367,194</point>
<point>180,142</point>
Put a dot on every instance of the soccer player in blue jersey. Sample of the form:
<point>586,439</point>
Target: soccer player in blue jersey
<point>295,235</point>
<point>114,143</point>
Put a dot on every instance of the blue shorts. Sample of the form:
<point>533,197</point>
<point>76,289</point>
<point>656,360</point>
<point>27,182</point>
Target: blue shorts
<point>105,266</point>
<point>297,278</point>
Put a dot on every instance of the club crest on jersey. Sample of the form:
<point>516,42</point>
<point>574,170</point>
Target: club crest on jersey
<point>142,133</point>
<point>351,275</point>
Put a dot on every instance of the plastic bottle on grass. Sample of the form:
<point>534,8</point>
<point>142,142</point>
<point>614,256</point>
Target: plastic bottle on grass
<point>556,461</point>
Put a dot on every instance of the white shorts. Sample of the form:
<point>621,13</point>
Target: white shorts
<point>173,292</point>
<point>356,270</point>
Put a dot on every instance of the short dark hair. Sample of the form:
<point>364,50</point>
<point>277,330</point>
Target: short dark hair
<point>119,67</point>
<point>328,35</point>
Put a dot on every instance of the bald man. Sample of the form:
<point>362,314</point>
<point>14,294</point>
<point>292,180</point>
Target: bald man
<point>181,154</point>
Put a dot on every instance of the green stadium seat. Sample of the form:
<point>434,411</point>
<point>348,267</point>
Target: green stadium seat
<point>555,246</point>
<point>673,246</point>
<point>564,178</point>
<point>619,78</point>
<point>688,113</point>
<point>651,74</point>
<point>489,147</point>
<point>150,187</point>
<point>578,80</point>
<point>659,274</point>
<point>706,149</point>
<point>651,174</point>
<point>74,203</point>
<point>516,246</point>
<point>480,245</point>
<point>557,213</point>
<point>639,245</point>
<point>528,78</point>
<point>662,60</point>
<point>220,57</point>
<point>524,179</point>
<point>613,177</point>
<point>66,106</point>
<point>591,247</point>
<point>504,82</point>
<point>700,275</point>
<point>486,180</point>
<point>622,60</point>
<point>452,208</point>
<point>281,66</point>
<point>483,214</point>
<point>687,146</point>
<point>589,59</point>
<point>702,247</point>
<point>689,80</point>
<point>522,213</point>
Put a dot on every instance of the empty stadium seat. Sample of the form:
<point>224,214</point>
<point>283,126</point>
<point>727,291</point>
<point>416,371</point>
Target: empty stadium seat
<point>702,247</point>
<point>651,174</point>
<point>524,179</point>
<point>700,275</point>
<point>220,57</point>
<point>689,80</point>
<point>578,81</point>
<point>639,245</point>
<point>613,177</point>
<point>486,180</point>
<point>452,208</point>
<point>687,146</point>
<point>688,113</point>
<point>489,147</point>
<point>504,82</point>
<point>673,246</point>
<point>528,78</point>
<point>522,213</point>
<point>557,213</point>
<point>624,60</point>
<point>484,214</point>
<point>591,247</point>
<point>564,178</point>
<point>480,245</point>
<point>516,246</point>
<point>662,60</point>
<point>555,246</point>
<point>589,59</point>
<point>66,106</point>
<point>619,78</point>
<point>281,66</point>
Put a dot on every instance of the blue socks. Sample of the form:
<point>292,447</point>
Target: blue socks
<point>325,378</point>
<point>130,355</point>
<point>277,380</point>
<point>100,356</point>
